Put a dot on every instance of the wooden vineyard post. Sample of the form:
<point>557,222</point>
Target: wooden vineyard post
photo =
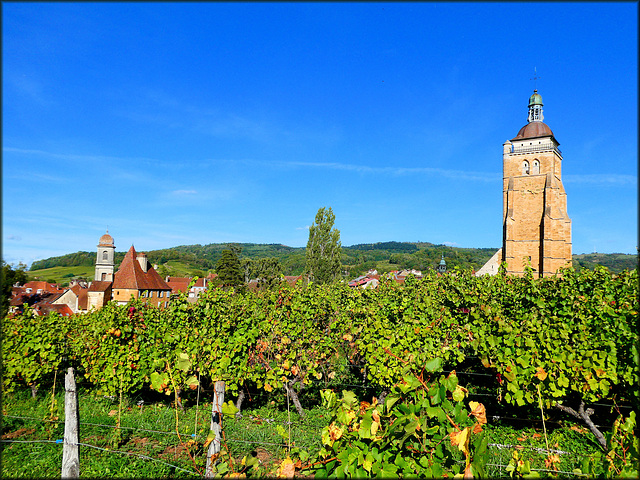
<point>216,427</point>
<point>70,454</point>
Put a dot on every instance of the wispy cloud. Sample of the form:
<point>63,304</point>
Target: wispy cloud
<point>400,171</point>
<point>75,157</point>
<point>184,192</point>
<point>30,87</point>
<point>121,168</point>
<point>159,108</point>
<point>605,179</point>
<point>31,177</point>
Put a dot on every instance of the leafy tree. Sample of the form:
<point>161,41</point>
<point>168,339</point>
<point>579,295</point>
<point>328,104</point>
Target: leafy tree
<point>323,248</point>
<point>10,277</point>
<point>293,264</point>
<point>229,268</point>
<point>267,271</point>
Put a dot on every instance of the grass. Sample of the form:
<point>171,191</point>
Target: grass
<point>147,445</point>
<point>530,443</point>
<point>149,430</point>
<point>61,274</point>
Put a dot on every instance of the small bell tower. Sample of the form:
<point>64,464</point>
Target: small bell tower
<point>105,259</point>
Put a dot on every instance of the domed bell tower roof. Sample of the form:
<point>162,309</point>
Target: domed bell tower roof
<point>535,99</point>
<point>535,127</point>
<point>106,240</point>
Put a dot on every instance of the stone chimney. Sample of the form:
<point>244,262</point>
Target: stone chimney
<point>142,260</point>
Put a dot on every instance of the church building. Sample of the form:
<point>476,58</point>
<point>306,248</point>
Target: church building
<point>135,278</point>
<point>536,226</point>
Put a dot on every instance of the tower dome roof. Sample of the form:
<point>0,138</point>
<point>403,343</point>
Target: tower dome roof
<point>533,130</point>
<point>535,99</point>
<point>106,239</point>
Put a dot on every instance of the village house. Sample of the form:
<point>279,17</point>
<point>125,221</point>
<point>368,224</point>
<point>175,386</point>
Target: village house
<point>99,294</point>
<point>137,279</point>
<point>75,298</point>
<point>181,284</point>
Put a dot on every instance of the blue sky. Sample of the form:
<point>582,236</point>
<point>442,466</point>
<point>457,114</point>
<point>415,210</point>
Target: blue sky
<point>185,123</point>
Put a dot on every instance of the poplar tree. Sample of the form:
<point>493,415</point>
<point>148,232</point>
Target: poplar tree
<point>323,248</point>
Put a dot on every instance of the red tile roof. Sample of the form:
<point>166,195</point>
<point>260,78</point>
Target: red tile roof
<point>99,286</point>
<point>15,291</point>
<point>178,284</point>
<point>46,308</point>
<point>36,285</point>
<point>178,279</point>
<point>81,293</point>
<point>131,276</point>
<point>293,279</point>
<point>18,300</point>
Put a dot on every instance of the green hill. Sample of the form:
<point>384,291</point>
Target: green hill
<point>616,262</point>
<point>188,260</point>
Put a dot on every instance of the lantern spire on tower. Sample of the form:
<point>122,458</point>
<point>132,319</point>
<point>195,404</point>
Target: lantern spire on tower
<point>535,78</point>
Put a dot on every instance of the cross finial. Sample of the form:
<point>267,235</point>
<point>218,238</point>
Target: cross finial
<point>535,79</point>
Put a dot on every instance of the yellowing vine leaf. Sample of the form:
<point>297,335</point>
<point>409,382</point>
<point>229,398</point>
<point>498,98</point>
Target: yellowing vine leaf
<point>541,374</point>
<point>335,432</point>
<point>460,439</point>
<point>459,393</point>
<point>287,469</point>
<point>479,411</point>
<point>210,439</point>
<point>551,460</point>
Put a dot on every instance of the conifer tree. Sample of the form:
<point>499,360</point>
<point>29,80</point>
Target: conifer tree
<point>229,268</point>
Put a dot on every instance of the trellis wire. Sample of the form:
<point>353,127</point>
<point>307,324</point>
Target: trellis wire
<point>32,441</point>
<point>138,455</point>
<point>542,451</point>
<point>100,425</point>
<point>499,418</point>
<point>257,419</point>
<point>540,470</point>
<point>144,457</point>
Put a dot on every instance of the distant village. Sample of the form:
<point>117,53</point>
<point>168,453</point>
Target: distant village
<point>136,278</point>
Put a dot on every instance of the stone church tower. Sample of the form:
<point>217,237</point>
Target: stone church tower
<point>536,228</point>
<point>105,261</point>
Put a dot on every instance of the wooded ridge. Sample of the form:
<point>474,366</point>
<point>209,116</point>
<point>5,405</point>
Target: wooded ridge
<point>356,259</point>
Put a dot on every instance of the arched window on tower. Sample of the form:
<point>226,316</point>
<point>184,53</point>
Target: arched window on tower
<point>525,168</point>
<point>105,255</point>
<point>535,170</point>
